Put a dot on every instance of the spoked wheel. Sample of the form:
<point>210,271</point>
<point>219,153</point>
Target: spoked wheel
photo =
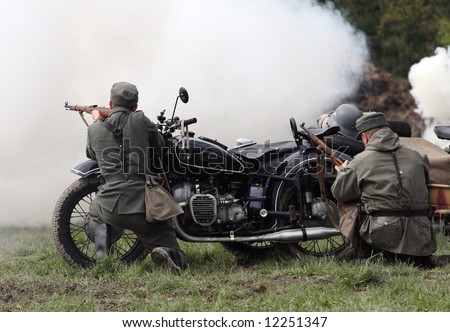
<point>325,247</point>
<point>253,249</point>
<point>71,234</point>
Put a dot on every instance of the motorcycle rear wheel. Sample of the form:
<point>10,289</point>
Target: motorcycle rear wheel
<point>70,233</point>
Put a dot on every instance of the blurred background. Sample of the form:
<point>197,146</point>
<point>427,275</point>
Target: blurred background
<point>248,65</point>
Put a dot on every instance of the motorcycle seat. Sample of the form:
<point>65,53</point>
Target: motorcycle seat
<point>442,132</point>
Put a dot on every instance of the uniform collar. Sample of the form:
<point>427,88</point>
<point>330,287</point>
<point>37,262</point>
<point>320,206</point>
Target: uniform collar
<point>384,140</point>
<point>118,109</point>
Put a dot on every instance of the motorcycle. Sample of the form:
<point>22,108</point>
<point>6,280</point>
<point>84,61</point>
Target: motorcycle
<point>252,198</point>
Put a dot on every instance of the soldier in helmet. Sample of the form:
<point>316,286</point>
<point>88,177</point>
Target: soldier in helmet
<point>345,117</point>
<point>123,145</point>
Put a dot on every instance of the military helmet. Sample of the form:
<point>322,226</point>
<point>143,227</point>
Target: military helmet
<point>345,117</point>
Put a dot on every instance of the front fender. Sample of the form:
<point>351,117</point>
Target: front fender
<point>298,163</point>
<point>86,168</point>
<point>308,158</point>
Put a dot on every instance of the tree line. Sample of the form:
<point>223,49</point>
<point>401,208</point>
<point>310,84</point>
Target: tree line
<point>399,32</point>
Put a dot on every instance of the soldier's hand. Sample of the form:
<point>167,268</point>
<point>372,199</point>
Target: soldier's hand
<point>96,115</point>
<point>340,168</point>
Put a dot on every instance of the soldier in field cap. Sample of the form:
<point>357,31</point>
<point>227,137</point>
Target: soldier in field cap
<point>124,94</point>
<point>371,120</point>
<point>390,182</point>
<point>124,145</point>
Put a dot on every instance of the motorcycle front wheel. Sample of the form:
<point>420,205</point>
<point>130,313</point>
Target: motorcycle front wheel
<point>72,237</point>
<point>253,249</point>
<point>332,246</point>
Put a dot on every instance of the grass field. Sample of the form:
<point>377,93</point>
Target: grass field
<point>33,277</point>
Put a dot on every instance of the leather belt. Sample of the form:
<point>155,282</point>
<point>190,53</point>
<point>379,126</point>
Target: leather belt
<point>118,177</point>
<point>400,213</point>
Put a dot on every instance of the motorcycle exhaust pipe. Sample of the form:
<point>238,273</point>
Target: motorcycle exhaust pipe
<point>293,235</point>
<point>284,236</point>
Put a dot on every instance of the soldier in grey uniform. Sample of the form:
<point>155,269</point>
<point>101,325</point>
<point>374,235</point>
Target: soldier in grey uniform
<point>124,145</point>
<point>390,181</point>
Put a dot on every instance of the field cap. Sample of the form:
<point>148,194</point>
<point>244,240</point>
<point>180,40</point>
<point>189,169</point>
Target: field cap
<point>124,94</point>
<point>369,121</point>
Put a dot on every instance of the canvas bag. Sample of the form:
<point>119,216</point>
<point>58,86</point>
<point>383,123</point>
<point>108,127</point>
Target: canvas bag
<point>350,222</point>
<point>160,204</point>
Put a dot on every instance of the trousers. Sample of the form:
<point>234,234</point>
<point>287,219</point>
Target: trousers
<point>151,234</point>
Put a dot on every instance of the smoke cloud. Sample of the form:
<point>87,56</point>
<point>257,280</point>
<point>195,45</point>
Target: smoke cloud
<point>248,65</point>
<point>430,81</point>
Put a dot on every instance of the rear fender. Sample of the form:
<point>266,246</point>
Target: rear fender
<point>86,168</point>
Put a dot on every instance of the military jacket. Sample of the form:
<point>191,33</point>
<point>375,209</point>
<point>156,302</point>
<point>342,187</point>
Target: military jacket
<point>371,177</point>
<point>134,154</point>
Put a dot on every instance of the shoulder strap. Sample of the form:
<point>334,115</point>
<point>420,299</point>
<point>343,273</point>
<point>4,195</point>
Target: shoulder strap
<point>399,173</point>
<point>117,131</point>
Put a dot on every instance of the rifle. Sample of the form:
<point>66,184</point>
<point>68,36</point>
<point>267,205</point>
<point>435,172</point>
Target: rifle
<point>321,145</point>
<point>100,112</point>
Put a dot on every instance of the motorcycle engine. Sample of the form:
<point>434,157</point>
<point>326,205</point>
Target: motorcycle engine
<point>207,209</point>
<point>203,209</point>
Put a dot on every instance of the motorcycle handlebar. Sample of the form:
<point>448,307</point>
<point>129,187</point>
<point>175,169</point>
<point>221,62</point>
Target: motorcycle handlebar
<point>172,125</point>
<point>190,121</point>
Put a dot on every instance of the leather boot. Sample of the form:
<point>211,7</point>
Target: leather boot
<point>171,258</point>
<point>441,260</point>
<point>433,261</point>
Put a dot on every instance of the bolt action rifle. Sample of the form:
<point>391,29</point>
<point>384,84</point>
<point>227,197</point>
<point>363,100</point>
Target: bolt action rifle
<point>97,112</point>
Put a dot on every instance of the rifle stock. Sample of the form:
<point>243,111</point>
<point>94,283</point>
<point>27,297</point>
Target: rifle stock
<point>322,146</point>
<point>103,112</point>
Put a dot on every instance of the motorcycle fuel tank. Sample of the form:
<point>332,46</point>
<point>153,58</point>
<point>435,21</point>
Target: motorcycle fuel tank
<point>204,154</point>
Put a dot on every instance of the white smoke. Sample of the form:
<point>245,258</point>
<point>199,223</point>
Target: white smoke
<point>430,81</point>
<point>248,65</point>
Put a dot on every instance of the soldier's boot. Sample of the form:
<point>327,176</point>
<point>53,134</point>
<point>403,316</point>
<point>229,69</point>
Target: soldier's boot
<point>99,234</point>
<point>441,260</point>
<point>171,258</point>
<point>433,261</point>
<point>102,245</point>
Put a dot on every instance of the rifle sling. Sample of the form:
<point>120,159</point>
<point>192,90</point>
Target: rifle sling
<point>323,194</point>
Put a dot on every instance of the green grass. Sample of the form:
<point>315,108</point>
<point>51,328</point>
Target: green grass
<point>35,278</point>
